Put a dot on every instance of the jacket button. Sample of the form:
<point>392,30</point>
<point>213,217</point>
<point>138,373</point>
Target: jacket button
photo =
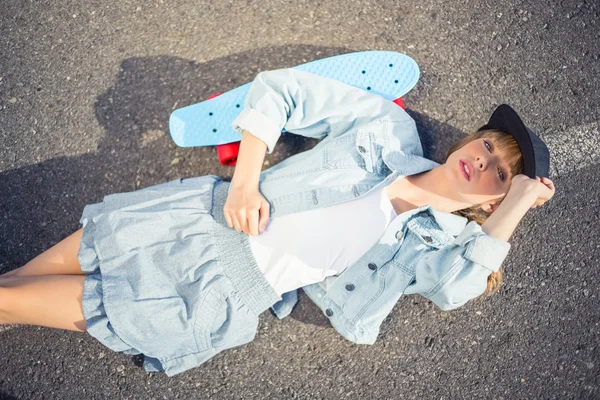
<point>349,287</point>
<point>362,149</point>
<point>372,266</point>
<point>399,235</point>
<point>428,239</point>
<point>329,312</point>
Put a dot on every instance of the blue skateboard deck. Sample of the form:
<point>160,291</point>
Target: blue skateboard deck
<point>208,123</point>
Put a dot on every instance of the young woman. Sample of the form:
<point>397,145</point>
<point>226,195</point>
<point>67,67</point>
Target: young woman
<point>181,271</point>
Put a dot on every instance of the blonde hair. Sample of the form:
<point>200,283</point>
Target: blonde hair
<point>508,145</point>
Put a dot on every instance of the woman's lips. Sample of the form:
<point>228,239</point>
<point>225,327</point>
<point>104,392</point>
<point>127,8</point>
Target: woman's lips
<point>462,169</point>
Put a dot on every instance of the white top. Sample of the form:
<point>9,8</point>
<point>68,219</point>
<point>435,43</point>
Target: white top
<point>306,247</point>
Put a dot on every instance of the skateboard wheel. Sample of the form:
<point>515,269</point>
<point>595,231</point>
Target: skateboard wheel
<point>228,153</point>
<point>400,102</point>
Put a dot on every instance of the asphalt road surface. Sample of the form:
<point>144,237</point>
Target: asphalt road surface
<point>86,89</point>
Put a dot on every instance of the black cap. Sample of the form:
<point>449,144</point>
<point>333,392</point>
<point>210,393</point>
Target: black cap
<point>536,157</point>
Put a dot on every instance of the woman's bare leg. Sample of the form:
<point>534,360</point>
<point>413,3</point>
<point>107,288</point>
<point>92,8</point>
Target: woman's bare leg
<point>60,259</point>
<point>53,301</point>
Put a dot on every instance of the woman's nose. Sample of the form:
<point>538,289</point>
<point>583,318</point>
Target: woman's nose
<point>481,162</point>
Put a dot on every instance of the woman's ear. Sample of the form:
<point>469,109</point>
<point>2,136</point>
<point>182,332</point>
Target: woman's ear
<point>490,207</point>
<point>487,207</point>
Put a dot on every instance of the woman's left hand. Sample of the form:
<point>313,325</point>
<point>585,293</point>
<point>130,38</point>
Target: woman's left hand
<point>546,191</point>
<point>532,191</point>
<point>524,193</point>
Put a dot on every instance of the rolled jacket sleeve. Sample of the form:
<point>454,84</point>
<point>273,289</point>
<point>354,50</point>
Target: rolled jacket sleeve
<point>309,105</point>
<point>458,272</point>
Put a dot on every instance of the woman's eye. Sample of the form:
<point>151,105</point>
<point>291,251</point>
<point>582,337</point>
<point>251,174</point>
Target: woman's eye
<point>488,145</point>
<point>501,174</point>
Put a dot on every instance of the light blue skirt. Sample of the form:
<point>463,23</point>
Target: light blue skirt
<point>157,280</point>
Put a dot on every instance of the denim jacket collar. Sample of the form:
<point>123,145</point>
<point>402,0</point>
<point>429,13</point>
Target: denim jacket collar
<point>451,223</point>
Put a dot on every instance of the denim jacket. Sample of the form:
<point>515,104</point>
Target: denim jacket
<point>367,141</point>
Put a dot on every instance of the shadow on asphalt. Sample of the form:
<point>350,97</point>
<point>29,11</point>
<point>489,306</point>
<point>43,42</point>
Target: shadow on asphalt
<point>41,204</point>
<point>6,396</point>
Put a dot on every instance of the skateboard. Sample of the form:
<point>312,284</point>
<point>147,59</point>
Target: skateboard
<point>208,123</point>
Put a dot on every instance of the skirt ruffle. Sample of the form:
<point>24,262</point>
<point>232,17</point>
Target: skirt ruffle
<point>151,259</point>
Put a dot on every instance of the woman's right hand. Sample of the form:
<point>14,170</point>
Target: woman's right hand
<point>242,209</point>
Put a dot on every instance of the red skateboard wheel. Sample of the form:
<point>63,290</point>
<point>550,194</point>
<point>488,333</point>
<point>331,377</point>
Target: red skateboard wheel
<point>228,152</point>
<point>400,102</point>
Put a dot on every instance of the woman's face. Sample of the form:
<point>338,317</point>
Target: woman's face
<point>479,172</point>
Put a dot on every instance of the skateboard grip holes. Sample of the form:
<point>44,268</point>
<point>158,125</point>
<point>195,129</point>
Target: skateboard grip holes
<point>396,81</point>
<point>391,65</point>
<point>364,72</point>
<point>210,114</point>
<point>214,130</point>
<point>368,87</point>
<point>237,106</point>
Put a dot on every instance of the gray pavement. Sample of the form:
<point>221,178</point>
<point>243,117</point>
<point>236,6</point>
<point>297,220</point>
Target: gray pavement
<point>86,89</point>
